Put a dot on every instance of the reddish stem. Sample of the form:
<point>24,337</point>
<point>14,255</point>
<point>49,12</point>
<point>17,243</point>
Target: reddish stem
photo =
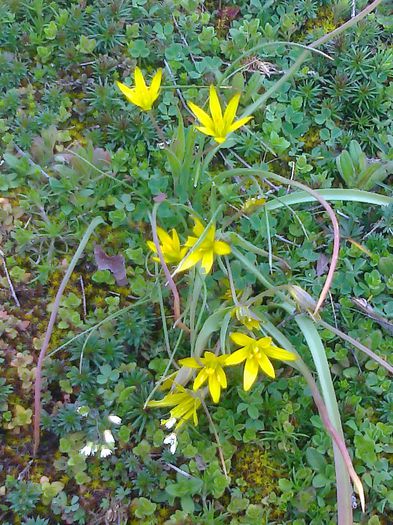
<point>171,282</point>
<point>336,234</point>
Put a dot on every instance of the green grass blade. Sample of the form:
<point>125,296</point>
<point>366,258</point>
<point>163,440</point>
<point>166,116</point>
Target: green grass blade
<point>344,488</point>
<point>211,325</point>
<point>299,197</point>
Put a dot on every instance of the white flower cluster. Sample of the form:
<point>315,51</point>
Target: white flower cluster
<point>171,439</point>
<point>106,449</point>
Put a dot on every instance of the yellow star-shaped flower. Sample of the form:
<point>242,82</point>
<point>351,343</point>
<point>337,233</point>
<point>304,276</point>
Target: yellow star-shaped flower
<point>141,95</point>
<point>216,124</point>
<point>256,353</point>
<point>206,251</point>
<point>170,246</point>
<point>211,370</point>
<point>185,405</point>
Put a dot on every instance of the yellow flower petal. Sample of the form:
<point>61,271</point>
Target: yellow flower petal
<point>220,140</point>
<point>251,323</point>
<point>206,131</point>
<point>164,237</point>
<point>222,359</point>
<point>279,353</point>
<point>231,109</point>
<point>222,378</point>
<point>214,388</point>
<point>221,248</point>
<point>175,240</point>
<point>195,414</point>
<point>198,228</point>
<point>200,379</point>
<point>210,235</point>
<point>250,373</point>
<point>266,365</point>
<point>201,115</point>
<point>264,342</point>
<point>140,84</point>
<point>208,357</point>
<point>190,261</point>
<point>239,123</point>
<point>129,93</point>
<point>182,409</point>
<point>183,252</point>
<point>190,241</point>
<point>190,362</point>
<point>169,400</point>
<point>215,107</point>
<point>237,357</point>
<point>151,246</point>
<point>156,84</point>
<point>241,339</point>
<point>207,261</point>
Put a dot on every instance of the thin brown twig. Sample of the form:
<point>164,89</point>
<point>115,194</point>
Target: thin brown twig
<point>178,91</point>
<point>157,128</point>
<point>338,440</point>
<point>349,23</point>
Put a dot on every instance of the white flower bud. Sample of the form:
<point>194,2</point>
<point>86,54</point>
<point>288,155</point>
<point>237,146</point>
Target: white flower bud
<point>88,449</point>
<point>170,422</point>
<point>105,452</point>
<point>108,437</point>
<point>116,420</point>
<point>171,440</point>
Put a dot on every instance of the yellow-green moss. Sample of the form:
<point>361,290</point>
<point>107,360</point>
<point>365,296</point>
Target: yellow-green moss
<point>258,470</point>
<point>311,139</point>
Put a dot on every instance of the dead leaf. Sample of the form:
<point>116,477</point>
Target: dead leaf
<point>114,263</point>
<point>322,265</point>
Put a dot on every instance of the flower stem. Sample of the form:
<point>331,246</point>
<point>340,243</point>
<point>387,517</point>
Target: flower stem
<point>220,452</point>
<point>171,282</point>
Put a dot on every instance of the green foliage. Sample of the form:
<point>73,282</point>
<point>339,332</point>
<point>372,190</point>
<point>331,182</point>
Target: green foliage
<point>22,495</point>
<point>72,149</point>
<point>357,171</point>
<point>36,521</point>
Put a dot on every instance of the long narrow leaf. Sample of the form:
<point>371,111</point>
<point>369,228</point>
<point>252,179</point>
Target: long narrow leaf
<point>211,325</point>
<point>339,447</point>
<point>298,197</point>
<point>38,377</point>
<point>344,489</point>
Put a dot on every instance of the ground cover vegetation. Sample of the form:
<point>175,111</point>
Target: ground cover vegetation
<point>196,262</point>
